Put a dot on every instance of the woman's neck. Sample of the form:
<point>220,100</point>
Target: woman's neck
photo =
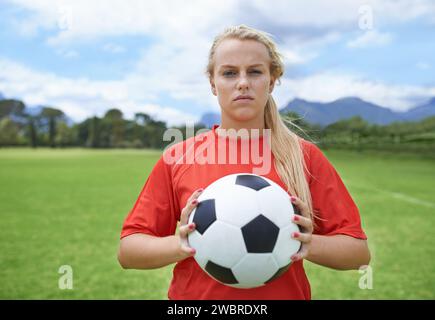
<point>239,132</point>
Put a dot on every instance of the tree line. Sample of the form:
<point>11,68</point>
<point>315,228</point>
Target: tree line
<point>357,134</point>
<point>50,128</point>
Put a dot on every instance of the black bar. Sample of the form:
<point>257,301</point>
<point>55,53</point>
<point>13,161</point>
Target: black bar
<point>219,309</point>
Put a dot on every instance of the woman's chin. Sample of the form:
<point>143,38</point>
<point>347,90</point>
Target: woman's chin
<point>244,117</point>
<point>244,114</point>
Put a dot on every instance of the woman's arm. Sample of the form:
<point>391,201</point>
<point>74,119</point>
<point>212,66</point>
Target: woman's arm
<point>339,252</point>
<point>143,251</point>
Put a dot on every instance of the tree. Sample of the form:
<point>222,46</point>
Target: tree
<point>298,125</point>
<point>50,116</point>
<point>154,131</point>
<point>8,132</point>
<point>93,139</point>
<point>358,128</point>
<point>12,108</point>
<point>31,131</point>
<point>65,136</point>
<point>142,118</point>
<point>115,125</point>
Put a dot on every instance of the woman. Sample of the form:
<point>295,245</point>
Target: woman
<point>243,68</point>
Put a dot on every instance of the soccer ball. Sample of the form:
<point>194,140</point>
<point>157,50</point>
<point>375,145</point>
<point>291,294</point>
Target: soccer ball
<point>243,230</point>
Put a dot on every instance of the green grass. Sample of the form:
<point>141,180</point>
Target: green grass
<point>66,207</point>
<point>395,195</point>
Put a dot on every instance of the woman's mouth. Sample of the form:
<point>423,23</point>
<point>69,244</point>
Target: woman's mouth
<point>244,98</point>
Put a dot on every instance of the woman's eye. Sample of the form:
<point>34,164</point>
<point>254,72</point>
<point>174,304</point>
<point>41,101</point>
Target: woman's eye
<point>232,73</point>
<point>229,73</point>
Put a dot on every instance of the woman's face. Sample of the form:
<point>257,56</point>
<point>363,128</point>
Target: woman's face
<point>241,67</point>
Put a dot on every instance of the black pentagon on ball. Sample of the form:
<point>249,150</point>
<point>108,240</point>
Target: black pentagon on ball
<point>253,182</point>
<point>279,273</point>
<point>223,274</point>
<point>205,215</point>
<point>260,235</point>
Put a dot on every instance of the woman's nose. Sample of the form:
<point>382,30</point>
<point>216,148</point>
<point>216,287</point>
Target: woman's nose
<point>243,82</point>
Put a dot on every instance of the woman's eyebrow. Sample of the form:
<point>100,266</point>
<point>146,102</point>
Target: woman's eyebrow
<point>231,66</point>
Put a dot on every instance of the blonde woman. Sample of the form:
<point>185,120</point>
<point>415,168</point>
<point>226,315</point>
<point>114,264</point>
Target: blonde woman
<point>243,67</point>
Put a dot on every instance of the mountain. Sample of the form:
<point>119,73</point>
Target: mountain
<point>344,108</point>
<point>327,113</point>
<point>1,96</point>
<point>210,118</point>
<point>423,111</point>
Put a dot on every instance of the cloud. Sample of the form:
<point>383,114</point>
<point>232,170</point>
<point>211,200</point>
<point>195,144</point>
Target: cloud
<point>69,54</point>
<point>178,72</point>
<point>182,32</point>
<point>371,38</point>
<point>80,98</point>
<point>82,20</point>
<point>113,48</point>
<point>292,57</point>
<point>172,19</point>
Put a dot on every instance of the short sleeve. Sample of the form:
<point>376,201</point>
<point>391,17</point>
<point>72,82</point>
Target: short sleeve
<point>155,210</point>
<point>335,211</point>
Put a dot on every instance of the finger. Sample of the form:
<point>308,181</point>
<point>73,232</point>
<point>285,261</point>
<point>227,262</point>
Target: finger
<point>185,213</point>
<point>195,195</point>
<point>185,248</point>
<point>188,250</point>
<point>189,207</point>
<point>302,254</point>
<point>304,222</point>
<point>301,207</point>
<point>186,229</point>
<point>302,237</point>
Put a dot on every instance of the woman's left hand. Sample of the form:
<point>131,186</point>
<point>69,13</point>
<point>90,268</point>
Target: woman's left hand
<point>302,218</point>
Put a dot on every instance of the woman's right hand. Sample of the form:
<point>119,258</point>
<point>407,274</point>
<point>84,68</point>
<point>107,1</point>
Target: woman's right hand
<point>186,228</point>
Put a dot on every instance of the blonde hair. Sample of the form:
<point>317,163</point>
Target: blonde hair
<point>285,144</point>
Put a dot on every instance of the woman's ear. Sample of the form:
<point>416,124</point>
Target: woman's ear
<point>213,87</point>
<point>271,85</point>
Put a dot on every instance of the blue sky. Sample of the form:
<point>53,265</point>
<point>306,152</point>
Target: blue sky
<point>149,56</point>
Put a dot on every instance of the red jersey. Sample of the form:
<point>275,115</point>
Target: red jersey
<point>181,170</point>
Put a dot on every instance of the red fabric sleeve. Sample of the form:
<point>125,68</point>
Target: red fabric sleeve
<point>336,211</point>
<point>155,211</point>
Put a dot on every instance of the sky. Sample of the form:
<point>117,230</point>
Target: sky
<point>85,57</point>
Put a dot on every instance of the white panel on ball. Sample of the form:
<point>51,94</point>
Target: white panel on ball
<point>237,205</point>
<point>195,242</point>
<point>223,243</point>
<point>275,203</point>
<point>254,270</point>
<point>285,245</point>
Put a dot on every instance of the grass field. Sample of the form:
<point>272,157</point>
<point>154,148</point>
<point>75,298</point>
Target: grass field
<point>66,207</point>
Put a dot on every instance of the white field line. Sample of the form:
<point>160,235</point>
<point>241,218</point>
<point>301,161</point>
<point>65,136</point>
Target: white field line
<point>398,196</point>
<point>410,199</point>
